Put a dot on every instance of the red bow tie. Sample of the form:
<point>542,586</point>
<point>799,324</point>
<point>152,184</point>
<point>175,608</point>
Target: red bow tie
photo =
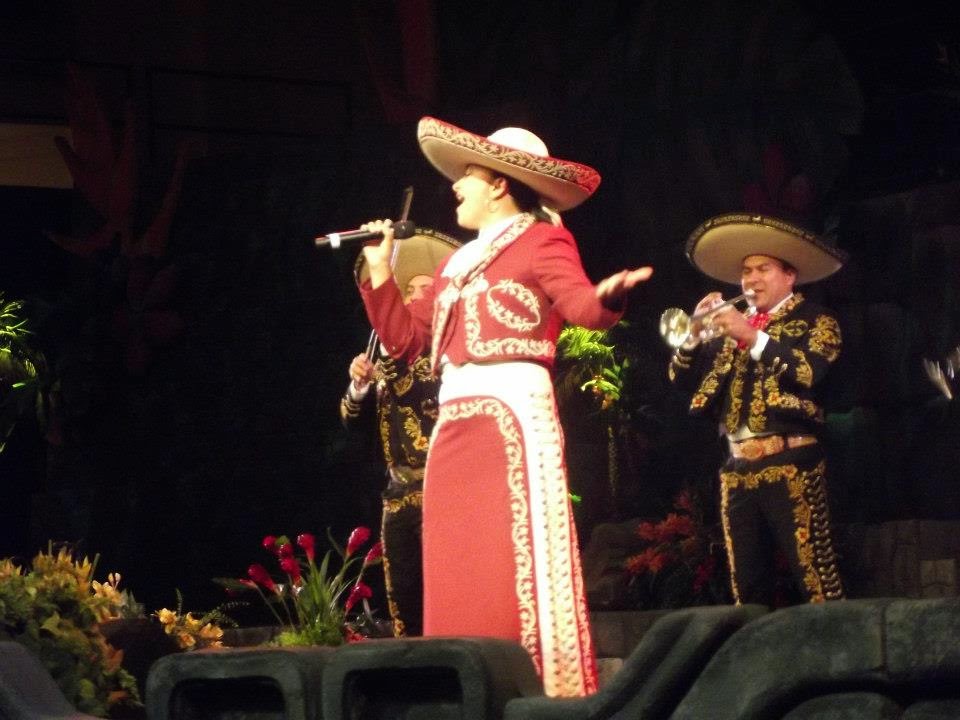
<point>759,320</point>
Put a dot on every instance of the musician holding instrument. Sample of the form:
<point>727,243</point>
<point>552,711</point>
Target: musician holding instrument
<point>406,405</point>
<point>758,373</point>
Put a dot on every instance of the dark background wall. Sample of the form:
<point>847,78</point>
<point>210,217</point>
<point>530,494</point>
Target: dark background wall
<point>200,361</point>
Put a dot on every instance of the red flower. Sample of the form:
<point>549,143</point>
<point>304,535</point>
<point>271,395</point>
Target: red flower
<point>650,560</point>
<point>352,636</point>
<point>703,573</point>
<point>258,573</point>
<point>307,542</point>
<point>648,531</point>
<point>357,538</point>
<point>684,502</point>
<point>285,550</point>
<point>674,526</point>
<point>360,591</point>
<point>269,542</point>
<point>291,567</point>
<point>374,554</point>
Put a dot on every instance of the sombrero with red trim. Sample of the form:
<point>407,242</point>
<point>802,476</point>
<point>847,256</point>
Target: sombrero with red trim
<point>513,152</point>
<point>718,246</point>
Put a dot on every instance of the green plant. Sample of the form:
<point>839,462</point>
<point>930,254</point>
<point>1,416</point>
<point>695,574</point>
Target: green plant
<point>314,604</point>
<point>52,608</point>
<point>588,362</point>
<point>21,370</point>
<point>191,632</point>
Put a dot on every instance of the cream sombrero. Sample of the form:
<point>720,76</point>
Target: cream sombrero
<point>514,152</point>
<point>719,245</point>
<point>419,254</point>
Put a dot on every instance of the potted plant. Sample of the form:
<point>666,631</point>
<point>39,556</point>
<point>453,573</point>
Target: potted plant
<point>53,607</point>
<point>315,601</point>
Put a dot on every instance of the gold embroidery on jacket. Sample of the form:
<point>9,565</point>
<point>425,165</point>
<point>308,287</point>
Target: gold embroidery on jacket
<point>711,381</point>
<point>735,392</point>
<point>758,408</point>
<point>450,295</point>
<point>804,372</point>
<point>825,337</point>
<point>506,317</point>
<point>508,346</point>
<point>395,505</point>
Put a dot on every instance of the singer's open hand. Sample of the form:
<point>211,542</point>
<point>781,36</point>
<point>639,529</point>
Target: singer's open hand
<point>610,289</point>
<point>378,256</point>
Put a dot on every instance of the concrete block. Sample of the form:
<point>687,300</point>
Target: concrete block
<point>427,678</point>
<point>27,692</point>
<point>265,683</point>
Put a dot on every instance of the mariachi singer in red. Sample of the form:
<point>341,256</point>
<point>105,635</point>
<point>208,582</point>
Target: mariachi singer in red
<point>500,550</point>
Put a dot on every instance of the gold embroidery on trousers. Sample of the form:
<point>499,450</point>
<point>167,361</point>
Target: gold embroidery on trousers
<point>811,519</point>
<point>520,525</point>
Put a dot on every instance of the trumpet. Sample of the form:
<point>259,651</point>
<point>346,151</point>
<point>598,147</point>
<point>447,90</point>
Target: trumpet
<point>676,325</point>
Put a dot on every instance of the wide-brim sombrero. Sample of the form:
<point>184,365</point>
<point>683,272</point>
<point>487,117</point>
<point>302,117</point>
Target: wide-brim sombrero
<point>719,245</point>
<point>513,152</point>
<point>419,254</point>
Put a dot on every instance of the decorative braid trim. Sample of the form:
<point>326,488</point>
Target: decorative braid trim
<point>567,170</point>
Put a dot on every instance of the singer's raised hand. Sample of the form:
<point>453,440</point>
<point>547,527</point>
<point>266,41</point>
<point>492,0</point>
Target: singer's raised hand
<point>378,256</point>
<point>612,288</point>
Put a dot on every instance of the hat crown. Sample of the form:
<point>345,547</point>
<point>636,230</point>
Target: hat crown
<point>520,139</point>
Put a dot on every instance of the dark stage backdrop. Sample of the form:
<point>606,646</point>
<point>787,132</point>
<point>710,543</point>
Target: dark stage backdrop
<point>197,384</point>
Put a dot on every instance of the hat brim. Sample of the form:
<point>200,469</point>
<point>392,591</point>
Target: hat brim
<point>561,184</point>
<point>719,245</point>
<point>419,254</point>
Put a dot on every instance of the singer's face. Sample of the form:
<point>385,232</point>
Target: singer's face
<point>473,191</point>
<point>416,287</point>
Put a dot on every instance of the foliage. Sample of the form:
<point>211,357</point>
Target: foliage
<point>315,605</point>
<point>21,370</point>
<point>680,563</point>
<point>586,361</point>
<point>194,633</point>
<point>54,610</point>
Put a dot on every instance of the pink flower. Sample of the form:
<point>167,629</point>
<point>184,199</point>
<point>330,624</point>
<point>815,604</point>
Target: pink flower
<point>258,573</point>
<point>374,554</point>
<point>360,591</point>
<point>357,538</point>
<point>291,567</point>
<point>307,542</point>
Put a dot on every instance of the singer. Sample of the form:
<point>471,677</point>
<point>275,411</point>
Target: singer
<point>500,549</point>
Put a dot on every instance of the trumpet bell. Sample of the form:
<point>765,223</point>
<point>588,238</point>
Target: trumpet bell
<point>674,327</point>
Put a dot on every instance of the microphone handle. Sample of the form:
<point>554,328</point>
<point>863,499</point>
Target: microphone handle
<point>401,230</point>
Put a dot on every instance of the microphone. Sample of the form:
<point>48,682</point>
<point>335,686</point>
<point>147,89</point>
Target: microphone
<point>401,231</point>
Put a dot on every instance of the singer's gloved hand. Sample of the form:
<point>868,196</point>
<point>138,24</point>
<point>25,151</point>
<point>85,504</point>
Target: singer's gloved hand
<point>378,256</point>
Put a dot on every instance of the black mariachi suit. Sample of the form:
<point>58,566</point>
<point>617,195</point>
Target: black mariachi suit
<point>406,414</point>
<point>783,493</point>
